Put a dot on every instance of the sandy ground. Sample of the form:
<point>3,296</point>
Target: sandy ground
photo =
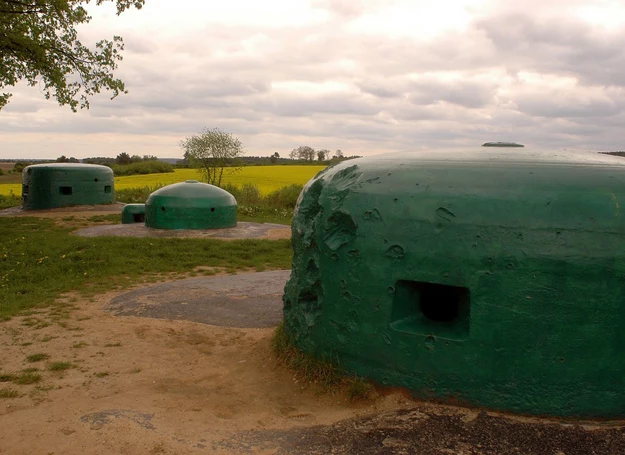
<point>155,386</point>
<point>141,385</point>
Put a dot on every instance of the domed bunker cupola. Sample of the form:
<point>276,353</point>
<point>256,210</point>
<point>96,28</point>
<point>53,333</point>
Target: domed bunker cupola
<point>191,205</point>
<point>493,277</point>
<point>51,185</point>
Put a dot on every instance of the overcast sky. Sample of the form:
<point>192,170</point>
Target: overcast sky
<point>363,76</point>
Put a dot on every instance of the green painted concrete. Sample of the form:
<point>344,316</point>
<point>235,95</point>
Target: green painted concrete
<point>190,205</point>
<point>46,186</point>
<point>491,277</point>
<point>133,213</point>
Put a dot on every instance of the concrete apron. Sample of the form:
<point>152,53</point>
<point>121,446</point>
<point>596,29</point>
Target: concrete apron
<point>247,300</point>
<point>243,230</point>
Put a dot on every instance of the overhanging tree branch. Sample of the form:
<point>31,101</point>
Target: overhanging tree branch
<point>38,43</point>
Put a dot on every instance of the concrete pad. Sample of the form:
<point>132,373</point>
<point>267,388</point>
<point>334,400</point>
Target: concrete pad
<point>243,230</point>
<point>247,300</point>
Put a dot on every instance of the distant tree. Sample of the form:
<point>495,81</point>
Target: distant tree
<point>338,155</point>
<point>303,152</point>
<point>214,153</point>
<point>149,158</point>
<point>20,165</point>
<point>106,161</point>
<point>64,159</point>
<point>323,154</point>
<point>274,158</point>
<point>38,44</point>
<point>123,158</point>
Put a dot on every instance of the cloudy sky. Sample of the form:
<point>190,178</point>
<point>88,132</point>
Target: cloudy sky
<point>364,76</point>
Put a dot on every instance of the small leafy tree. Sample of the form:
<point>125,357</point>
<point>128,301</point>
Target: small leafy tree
<point>323,154</point>
<point>39,44</point>
<point>303,152</point>
<point>123,158</point>
<point>214,153</point>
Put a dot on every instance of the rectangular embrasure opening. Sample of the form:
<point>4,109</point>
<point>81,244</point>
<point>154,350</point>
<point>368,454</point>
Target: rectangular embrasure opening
<point>431,309</point>
<point>65,190</point>
<point>107,189</point>
<point>138,217</point>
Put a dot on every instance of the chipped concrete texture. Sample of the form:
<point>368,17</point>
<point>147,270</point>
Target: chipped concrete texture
<point>487,277</point>
<point>243,230</point>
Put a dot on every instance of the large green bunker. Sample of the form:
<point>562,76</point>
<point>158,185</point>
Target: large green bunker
<point>47,186</point>
<point>493,277</point>
<point>190,205</point>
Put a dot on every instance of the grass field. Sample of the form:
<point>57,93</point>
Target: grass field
<point>267,178</point>
<point>39,261</point>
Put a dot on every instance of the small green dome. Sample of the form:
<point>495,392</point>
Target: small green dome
<point>133,213</point>
<point>191,205</point>
<point>51,185</point>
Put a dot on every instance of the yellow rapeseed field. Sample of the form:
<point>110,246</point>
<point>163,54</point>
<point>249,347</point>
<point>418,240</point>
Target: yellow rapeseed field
<point>267,178</point>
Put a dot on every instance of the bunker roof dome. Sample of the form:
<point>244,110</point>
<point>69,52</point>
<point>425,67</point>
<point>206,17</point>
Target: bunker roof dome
<point>69,167</point>
<point>191,193</point>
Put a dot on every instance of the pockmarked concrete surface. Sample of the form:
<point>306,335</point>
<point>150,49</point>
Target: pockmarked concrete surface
<point>247,300</point>
<point>243,230</point>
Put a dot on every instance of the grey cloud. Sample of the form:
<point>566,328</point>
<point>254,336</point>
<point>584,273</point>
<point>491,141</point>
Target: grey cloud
<point>542,106</point>
<point>215,78</point>
<point>351,9</point>
<point>467,94</point>
<point>563,46</point>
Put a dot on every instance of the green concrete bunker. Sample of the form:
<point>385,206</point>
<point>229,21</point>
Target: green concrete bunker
<point>493,277</point>
<point>133,213</point>
<point>190,205</point>
<point>53,185</point>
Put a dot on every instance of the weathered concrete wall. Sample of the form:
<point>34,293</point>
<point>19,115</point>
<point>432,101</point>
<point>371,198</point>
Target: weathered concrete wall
<point>46,186</point>
<point>494,278</point>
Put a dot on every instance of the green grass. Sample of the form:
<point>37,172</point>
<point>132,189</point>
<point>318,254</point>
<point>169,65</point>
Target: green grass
<point>8,393</point>
<point>26,378</point>
<point>6,377</point>
<point>327,373</point>
<point>60,366</point>
<point>106,219</point>
<point>37,357</point>
<point>310,369</point>
<point>39,261</point>
<point>10,200</point>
